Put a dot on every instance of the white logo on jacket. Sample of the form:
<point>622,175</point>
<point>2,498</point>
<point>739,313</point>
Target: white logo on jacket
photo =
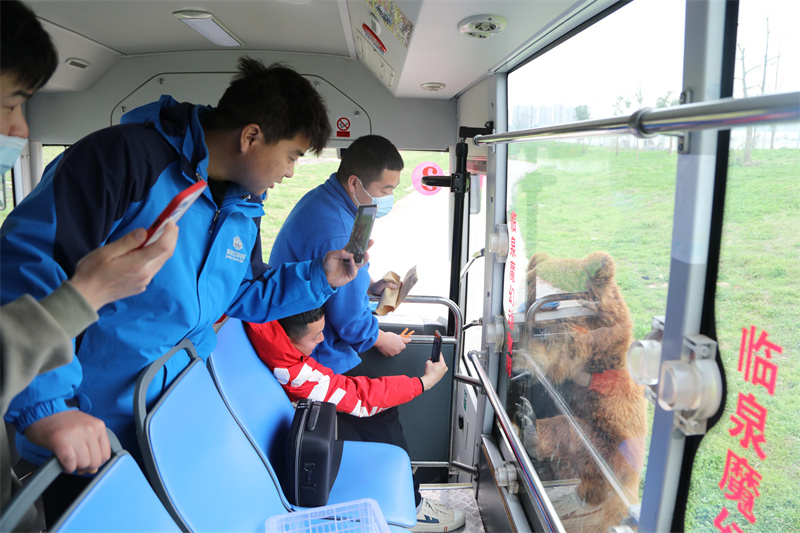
<point>235,254</point>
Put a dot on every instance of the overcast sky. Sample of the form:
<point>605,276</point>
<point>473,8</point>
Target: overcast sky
<point>642,46</point>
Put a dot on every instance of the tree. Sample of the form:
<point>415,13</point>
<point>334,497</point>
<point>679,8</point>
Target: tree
<point>667,101</point>
<point>639,99</point>
<point>750,133</point>
<point>582,113</point>
<point>621,107</point>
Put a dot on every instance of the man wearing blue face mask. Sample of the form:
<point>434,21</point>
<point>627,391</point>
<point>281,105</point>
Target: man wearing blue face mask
<point>321,221</point>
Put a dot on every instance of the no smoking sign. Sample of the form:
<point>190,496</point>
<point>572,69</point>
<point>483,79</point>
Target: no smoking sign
<point>343,127</point>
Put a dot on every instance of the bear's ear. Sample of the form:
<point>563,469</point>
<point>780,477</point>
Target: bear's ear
<point>537,259</point>
<point>599,268</point>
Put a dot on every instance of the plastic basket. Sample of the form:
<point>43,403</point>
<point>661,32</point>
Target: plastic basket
<point>358,516</point>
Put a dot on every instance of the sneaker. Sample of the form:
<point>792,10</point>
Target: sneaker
<point>433,516</point>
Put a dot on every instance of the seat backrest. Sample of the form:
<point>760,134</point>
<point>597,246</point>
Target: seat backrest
<point>241,376</point>
<point>118,498</point>
<point>368,469</point>
<point>198,459</point>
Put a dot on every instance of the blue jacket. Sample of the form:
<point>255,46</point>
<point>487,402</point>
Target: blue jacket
<point>320,222</point>
<point>107,184</point>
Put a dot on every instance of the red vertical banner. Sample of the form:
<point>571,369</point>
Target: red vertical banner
<point>740,480</point>
<point>511,265</point>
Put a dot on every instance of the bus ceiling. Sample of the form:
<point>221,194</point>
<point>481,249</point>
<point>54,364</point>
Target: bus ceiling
<point>423,49</point>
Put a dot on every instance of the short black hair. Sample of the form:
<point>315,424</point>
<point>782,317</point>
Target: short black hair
<point>367,157</point>
<point>282,102</point>
<point>296,326</point>
<point>26,49</point>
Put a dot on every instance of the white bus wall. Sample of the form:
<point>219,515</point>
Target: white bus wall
<point>349,88</point>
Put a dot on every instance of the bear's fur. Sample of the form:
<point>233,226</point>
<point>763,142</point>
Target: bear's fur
<point>584,358</point>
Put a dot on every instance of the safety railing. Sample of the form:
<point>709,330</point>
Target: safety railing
<point>530,480</point>
<point>451,305</point>
<point>456,339</point>
<point>718,114</point>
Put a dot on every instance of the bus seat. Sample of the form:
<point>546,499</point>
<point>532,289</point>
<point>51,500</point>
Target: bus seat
<point>260,405</point>
<point>197,458</point>
<point>118,498</point>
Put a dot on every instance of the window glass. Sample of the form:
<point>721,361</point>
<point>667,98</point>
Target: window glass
<point>415,233</point>
<point>590,223</point>
<point>50,152</point>
<point>8,201</point>
<point>745,473</point>
<point>7,198</point>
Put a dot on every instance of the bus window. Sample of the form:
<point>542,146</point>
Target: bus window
<point>7,198</point>
<point>12,186</point>
<point>50,152</point>
<point>590,223</point>
<point>415,233</point>
<point>745,472</point>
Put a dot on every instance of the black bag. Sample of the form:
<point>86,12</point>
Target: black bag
<point>312,454</point>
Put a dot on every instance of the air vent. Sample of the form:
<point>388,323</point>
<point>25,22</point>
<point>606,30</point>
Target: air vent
<point>77,63</point>
<point>482,26</point>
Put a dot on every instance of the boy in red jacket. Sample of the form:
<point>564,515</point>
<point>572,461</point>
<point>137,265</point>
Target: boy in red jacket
<point>285,345</point>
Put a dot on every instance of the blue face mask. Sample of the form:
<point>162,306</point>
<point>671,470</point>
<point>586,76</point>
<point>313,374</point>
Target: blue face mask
<point>384,203</point>
<point>10,148</point>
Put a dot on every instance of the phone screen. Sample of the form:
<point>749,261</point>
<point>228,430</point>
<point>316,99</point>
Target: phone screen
<point>174,210</point>
<point>362,228</point>
<point>436,351</point>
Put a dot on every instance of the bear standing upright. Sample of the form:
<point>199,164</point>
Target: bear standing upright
<point>582,354</point>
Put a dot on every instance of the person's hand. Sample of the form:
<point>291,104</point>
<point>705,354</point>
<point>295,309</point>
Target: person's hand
<point>118,269</point>
<point>434,372</point>
<point>79,440</point>
<point>377,287</point>
<point>390,344</point>
<point>340,268</point>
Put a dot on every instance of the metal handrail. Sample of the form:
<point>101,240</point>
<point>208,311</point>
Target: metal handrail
<point>450,304</point>
<point>718,114</point>
<point>544,508</point>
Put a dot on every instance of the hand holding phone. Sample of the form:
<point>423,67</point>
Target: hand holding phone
<point>174,210</point>
<point>362,228</point>
<point>436,351</point>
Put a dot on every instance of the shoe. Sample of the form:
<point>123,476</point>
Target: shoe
<point>433,516</point>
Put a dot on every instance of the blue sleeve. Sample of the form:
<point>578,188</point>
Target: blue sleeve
<point>279,292</point>
<point>71,212</point>
<point>349,314</point>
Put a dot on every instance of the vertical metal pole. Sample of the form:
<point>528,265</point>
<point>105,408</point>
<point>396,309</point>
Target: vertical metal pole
<point>458,188</point>
<point>705,22</point>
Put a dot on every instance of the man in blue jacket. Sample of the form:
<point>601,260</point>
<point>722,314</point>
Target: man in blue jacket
<point>368,174</point>
<point>120,178</point>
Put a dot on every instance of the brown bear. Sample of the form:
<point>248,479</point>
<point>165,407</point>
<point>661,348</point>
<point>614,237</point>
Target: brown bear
<point>570,387</point>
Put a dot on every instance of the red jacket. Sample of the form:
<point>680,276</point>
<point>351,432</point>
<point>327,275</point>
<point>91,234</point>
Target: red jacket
<point>303,377</point>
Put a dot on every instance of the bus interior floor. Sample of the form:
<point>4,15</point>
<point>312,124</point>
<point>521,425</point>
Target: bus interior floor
<point>456,496</point>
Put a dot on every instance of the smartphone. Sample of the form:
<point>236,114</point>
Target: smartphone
<point>436,351</point>
<point>362,228</point>
<point>174,210</point>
